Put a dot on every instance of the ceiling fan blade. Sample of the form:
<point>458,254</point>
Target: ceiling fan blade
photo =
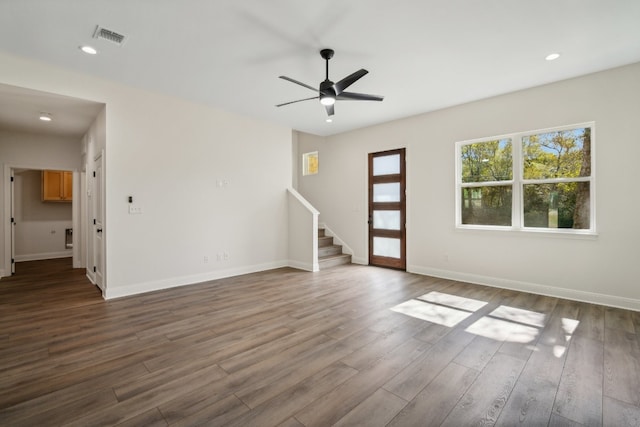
<point>353,96</point>
<point>330,109</point>
<point>299,100</point>
<point>299,83</point>
<point>349,80</point>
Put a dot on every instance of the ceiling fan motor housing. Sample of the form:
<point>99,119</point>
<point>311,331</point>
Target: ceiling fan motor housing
<point>327,90</point>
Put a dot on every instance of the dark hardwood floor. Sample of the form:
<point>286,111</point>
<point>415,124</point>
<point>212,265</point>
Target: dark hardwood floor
<point>348,346</point>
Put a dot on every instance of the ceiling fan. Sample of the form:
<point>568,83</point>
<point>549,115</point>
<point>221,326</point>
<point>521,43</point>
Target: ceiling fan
<point>330,92</point>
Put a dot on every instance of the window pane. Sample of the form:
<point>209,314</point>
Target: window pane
<point>310,163</point>
<point>486,205</point>
<point>564,205</point>
<point>386,220</point>
<point>487,161</point>
<point>558,154</point>
<point>386,192</point>
<point>384,246</point>
<point>386,165</point>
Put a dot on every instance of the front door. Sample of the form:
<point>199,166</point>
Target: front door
<point>387,209</point>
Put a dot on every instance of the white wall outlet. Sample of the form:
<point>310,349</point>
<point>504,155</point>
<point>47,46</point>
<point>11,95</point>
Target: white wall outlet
<point>135,210</point>
<point>225,256</point>
<point>205,259</point>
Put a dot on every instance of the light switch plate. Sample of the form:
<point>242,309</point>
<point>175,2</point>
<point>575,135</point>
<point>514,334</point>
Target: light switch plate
<point>135,210</point>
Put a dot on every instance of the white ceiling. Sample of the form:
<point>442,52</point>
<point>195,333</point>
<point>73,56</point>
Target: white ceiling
<point>20,109</point>
<point>422,55</point>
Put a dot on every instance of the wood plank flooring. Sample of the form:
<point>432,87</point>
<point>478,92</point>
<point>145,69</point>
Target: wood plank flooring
<point>349,346</point>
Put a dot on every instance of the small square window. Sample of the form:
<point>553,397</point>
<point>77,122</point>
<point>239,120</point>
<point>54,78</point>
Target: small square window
<point>310,163</point>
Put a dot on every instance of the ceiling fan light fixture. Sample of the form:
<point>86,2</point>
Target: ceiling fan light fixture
<point>327,100</point>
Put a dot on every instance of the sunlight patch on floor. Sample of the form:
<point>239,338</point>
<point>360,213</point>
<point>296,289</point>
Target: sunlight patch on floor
<point>437,307</point>
<point>519,315</point>
<point>431,312</point>
<point>505,323</point>
<point>569,326</point>
<point>503,330</point>
<point>453,301</point>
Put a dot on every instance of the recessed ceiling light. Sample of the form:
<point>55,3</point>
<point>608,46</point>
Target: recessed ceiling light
<point>45,117</point>
<point>329,120</point>
<point>552,56</point>
<point>88,49</point>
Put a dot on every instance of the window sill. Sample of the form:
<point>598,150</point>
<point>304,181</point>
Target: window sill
<point>543,233</point>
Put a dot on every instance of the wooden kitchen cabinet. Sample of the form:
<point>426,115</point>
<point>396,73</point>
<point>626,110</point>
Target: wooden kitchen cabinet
<point>57,186</point>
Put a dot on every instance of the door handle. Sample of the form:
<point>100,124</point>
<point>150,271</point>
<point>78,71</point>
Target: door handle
<point>99,230</point>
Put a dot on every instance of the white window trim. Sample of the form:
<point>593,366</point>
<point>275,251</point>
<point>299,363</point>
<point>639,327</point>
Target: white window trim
<point>518,182</point>
<point>305,163</point>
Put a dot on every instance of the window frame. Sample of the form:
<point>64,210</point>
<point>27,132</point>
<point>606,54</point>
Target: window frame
<point>518,182</point>
<point>308,166</point>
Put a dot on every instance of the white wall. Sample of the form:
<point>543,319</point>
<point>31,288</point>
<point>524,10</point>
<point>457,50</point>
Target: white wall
<point>39,151</point>
<point>602,269</point>
<point>40,226</point>
<point>169,155</point>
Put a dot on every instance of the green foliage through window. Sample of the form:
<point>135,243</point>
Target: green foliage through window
<point>487,161</point>
<point>557,154</point>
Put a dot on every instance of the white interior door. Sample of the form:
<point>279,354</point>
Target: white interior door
<point>98,222</point>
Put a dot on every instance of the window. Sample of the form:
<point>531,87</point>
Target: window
<point>310,163</point>
<point>541,180</point>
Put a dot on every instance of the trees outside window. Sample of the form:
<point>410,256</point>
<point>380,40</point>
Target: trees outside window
<point>538,180</point>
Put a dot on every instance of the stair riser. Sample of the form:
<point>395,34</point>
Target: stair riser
<point>325,241</point>
<point>332,262</point>
<point>329,250</point>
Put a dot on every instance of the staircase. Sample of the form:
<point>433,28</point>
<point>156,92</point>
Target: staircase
<point>330,255</point>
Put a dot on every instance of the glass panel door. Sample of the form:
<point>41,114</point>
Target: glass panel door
<point>387,209</point>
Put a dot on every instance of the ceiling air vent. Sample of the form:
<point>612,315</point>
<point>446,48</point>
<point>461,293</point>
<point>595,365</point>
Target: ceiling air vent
<point>109,35</point>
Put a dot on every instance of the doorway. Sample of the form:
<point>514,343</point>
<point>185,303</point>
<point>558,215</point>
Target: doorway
<point>387,209</point>
<point>42,215</point>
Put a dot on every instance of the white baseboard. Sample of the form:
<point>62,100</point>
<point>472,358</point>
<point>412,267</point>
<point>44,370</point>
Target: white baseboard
<point>359,260</point>
<point>2,274</point>
<point>46,255</point>
<point>306,266</point>
<point>112,291</point>
<point>534,288</point>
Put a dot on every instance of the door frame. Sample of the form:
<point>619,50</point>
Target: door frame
<point>379,261</point>
<point>9,202</point>
<point>12,220</point>
<point>96,253</point>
